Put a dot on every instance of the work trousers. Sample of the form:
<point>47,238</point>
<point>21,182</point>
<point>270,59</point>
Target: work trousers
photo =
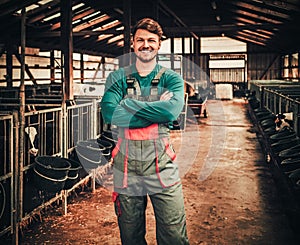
<point>145,168</point>
<point>169,214</point>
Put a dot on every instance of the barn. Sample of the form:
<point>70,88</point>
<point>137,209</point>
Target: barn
<point>240,64</point>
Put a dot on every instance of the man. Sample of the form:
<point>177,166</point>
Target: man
<point>141,107</point>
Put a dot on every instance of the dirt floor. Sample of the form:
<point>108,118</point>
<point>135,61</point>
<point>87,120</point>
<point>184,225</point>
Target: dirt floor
<point>230,194</point>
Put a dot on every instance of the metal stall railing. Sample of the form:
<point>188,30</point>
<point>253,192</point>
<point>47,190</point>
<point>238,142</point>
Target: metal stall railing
<point>276,102</point>
<point>6,174</point>
<point>43,131</point>
<point>279,97</point>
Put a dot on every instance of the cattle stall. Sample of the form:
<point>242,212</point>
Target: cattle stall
<point>50,130</point>
<point>279,97</point>
<point>269,100</point>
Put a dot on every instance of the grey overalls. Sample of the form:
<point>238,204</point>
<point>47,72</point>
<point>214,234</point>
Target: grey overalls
<point>143,165</point>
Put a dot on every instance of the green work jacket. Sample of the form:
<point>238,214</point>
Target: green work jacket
<point>125,112</point>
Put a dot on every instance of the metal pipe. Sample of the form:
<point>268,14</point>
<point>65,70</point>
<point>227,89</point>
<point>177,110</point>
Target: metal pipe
<point>15,180</point>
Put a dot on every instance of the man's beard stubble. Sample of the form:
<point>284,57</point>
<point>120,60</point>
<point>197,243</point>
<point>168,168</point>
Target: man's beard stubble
<point>146,60</point>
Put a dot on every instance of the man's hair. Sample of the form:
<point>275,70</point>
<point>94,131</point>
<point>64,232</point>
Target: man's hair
<point>149,25</point>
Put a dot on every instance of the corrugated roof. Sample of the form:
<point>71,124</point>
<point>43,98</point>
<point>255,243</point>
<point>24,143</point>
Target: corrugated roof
<point>98,26</point>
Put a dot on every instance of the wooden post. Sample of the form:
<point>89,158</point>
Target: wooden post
<point>184,61</point>
<point>15,190</point>
<point>197,75</point>
<point>9,65</point>
<point>67,48</point>
<point>81,69</point>
<point>67,76</point>
<point>172,53</point>
<point>52,67</point>
<point>103,66</point>
<point>127,30</point>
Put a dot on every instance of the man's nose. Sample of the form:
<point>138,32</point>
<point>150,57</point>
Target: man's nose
<point>146,43</point>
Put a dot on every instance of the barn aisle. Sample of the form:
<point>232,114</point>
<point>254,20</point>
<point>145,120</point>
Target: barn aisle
<point>230,186</point>
<point>230,193</point>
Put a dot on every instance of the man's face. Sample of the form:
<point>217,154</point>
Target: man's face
<point>145,45</point>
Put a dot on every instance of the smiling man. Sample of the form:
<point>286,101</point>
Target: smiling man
<point>142,100</point>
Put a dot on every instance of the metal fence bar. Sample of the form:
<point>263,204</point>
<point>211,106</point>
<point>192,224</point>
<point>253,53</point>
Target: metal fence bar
<point>6,174</point>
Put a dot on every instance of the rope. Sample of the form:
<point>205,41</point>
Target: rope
<point>48,178</point>
<point>73,178</point>
<point>85,158</point>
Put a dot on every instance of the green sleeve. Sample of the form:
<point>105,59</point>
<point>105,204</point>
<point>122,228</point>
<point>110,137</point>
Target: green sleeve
<point>135,114</point>
<point>111,110</point>
<point>159,111</point>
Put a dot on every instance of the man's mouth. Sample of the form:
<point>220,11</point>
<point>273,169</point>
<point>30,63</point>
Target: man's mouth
<point>146,51</point>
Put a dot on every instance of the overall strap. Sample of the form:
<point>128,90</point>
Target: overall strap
<point>133,89</point>
<point>155,81</point>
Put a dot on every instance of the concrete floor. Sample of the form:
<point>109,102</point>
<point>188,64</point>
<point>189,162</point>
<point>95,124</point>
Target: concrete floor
<point>240,196</point>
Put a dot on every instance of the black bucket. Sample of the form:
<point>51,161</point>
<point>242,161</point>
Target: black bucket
<point>266,123</point>
<point>289,165</point>
<point>288,153</point>
<point>265,115</point>
<point>282,135</point>
<point>270,130</point>
<point>110,136</point>
<point>73,174</point>
<point>284,144</point>
<point>50,173</point>
<point>89,153</point>
<point>254,103</point>
<point>291,155</point>
<point>107,148</point>
<point>294,177</point>
<point>263,109</point>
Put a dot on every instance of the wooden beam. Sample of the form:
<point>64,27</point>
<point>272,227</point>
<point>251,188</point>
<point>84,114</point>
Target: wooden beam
<point>91,23</point>
<point>76,17</point>
<point>45,34</point>
<point>14,5</point>
<point>218,28</point>
<point>165,7</point>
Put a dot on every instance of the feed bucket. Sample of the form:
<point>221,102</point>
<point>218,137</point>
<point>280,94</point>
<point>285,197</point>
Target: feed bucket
<point>50,173</point>
<point>73,174</point>
<point>107,148</point>
<point>110,136</point>
<point>89,153</point>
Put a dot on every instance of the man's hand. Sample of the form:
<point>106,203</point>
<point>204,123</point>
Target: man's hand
<point>166,96</point>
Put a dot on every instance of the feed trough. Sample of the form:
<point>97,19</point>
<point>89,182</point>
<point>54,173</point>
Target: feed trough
<point>282,135</point>
<point>289,165</point>
<point>266,123</point>
<point>284,144</point>
<point>73,174</point>
<point>294,177</point>
<point>107,148</point>
<point>110,136</point>
<point>89,153</point>
<point>50,173</point>
<point>292,152</point>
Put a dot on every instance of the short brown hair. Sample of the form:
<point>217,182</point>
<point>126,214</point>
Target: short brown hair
<point>149,25</point>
